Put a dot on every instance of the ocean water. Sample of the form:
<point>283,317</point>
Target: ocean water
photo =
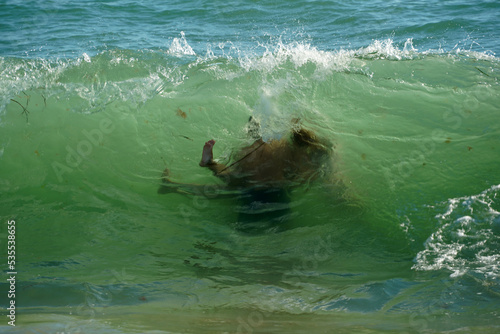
<point>97,98</point>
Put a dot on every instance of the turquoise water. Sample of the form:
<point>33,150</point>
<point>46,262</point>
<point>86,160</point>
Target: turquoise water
<point>401,234</point>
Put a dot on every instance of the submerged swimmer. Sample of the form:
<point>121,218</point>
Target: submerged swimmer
<point>263,165</point>
<point>264,172</point>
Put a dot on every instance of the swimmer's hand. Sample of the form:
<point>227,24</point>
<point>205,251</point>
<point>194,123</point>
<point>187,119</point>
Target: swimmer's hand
<point>163,189</point>
<point>167,186</point>
<point>207,156</point>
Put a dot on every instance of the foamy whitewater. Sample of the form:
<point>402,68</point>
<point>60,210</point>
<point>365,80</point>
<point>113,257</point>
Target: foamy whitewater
<point>399,232</point>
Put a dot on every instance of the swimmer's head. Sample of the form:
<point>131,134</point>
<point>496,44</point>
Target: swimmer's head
<point>253,128</point>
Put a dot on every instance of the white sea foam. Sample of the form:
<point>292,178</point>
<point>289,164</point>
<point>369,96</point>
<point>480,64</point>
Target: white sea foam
<point>467,239</point>
<point>180,47</point>
<point>386,49</point>
<point>297,54</point>
<point>277,62</point>
<point>273,120</point>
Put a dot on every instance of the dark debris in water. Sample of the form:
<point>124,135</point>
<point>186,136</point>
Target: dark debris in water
<point>186,137</point>
<point>25,111</point>
<point>25,108</point>
<point>181,113</point>
<point>477,68</point>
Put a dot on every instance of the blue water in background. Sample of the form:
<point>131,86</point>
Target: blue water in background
<point>68,28</point>
<point>407,92</point>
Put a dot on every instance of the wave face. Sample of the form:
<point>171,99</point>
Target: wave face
<point>398,231</point>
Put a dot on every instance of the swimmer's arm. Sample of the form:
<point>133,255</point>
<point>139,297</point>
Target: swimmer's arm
<point>180,188</point>
<point>167,186</point>
<point>217,168</point>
